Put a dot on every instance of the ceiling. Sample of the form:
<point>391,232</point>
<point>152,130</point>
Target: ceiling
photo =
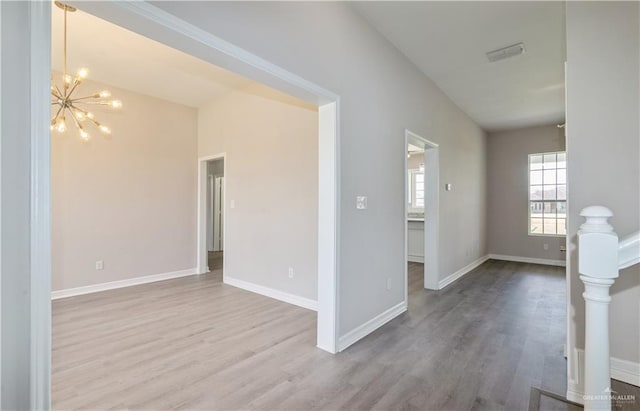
<point>448,42</point>
<point>124,59</point>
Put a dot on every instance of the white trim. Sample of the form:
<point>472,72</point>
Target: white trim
<point>328,227</point>
<point>202,264</point>
<point>40,213</point>
<point>621,370</point>
<point>0,209</point>
<point>112,285</point>
<point>626,371</point>
<point>543,261</point>
<point>431,256</point>
<point>461,272</point>
<point>415,258</point>
<point>272,293</point>
<point>370,326</point>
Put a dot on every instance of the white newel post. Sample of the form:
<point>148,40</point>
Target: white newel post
<point>598,267</point>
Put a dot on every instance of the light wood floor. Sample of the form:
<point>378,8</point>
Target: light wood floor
<point>195,343</point>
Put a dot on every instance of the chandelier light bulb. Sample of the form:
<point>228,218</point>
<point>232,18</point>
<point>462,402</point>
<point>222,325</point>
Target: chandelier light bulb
<point>90,115</point>
<point>61,127</point>
<point>105,129</point>
<point>83,73</point>
<point>85,136</point>
<point>79,115</point>
<point>67,79</point>
<point>104,94</point>
<point>116,104</point>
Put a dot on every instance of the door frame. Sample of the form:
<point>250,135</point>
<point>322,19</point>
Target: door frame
<point>431,211</point>
<point>218,212</point>
<point>157,24</point>
<point>202,253</point>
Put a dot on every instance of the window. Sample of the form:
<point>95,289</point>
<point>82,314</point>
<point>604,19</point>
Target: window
<point>416,189</point>
<point>548,194</point>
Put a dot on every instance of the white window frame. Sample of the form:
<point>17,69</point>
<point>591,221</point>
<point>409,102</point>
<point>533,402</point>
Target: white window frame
<point>529,200</point>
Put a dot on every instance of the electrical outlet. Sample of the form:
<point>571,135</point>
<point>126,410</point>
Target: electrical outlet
<point>99,265</point>
<point>388,283</point>
<point>361,202</point>
<point>545,246</point>
<point>290,272</point>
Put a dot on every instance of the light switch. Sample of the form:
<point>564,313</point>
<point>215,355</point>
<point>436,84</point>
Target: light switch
<point>361,202</point>
<point>99,265</point>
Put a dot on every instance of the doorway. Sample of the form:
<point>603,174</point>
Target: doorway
<point>215,214</point>
<point>421,199</point>
<point>144,19</point>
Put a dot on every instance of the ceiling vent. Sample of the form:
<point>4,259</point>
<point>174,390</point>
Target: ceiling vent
<point>506,52</point>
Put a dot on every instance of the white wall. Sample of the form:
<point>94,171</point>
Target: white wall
<point>508,179</point>
<point>382,93</point>
<point>271,146</point>
<point>128,199</point>
<point>603,47</point>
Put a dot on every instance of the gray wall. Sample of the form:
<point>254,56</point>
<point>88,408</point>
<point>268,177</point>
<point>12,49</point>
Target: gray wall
<point>507,179</point>
<point>603,150</point>
<point>271,145</point>
<point>128,199</point>
<point>382,93</point>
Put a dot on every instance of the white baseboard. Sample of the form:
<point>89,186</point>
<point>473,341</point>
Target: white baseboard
<point>415,259</point>
<point>621,370</point>
<point>272,293</point>
<point>96,288</point>
<point>559,263</point>
<point>625,371</point>
<point>464,270</point>
<point>370,326</point>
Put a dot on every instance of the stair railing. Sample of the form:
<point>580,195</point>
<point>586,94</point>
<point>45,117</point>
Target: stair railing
<point>600,257</point>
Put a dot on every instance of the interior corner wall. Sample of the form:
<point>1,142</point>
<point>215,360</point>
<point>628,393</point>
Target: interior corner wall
<point>128,199</point>
<point>508,191</point>
<point>381,94</point>
<point>603,87</point>
<point>271,145</point>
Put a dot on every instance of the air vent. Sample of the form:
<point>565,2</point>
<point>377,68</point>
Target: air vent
<point>506,52</point>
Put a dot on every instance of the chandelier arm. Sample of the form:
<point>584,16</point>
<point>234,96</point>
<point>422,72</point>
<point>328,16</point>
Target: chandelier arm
<point>59,95</point>
<point>55,118</point>
<point>85,97</point>
<point>76,83</point>
<point>93,103</point>
<point>75,120</point>
<point>86,115</point>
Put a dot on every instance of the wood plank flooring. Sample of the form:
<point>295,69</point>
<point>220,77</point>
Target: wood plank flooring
<point>196,343</point>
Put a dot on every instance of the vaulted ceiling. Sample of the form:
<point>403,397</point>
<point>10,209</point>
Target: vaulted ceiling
<point>124,59</point>
<point>448,41</point>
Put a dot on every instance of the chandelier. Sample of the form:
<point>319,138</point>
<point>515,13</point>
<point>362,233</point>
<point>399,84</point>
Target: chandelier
<point>65,98</point>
